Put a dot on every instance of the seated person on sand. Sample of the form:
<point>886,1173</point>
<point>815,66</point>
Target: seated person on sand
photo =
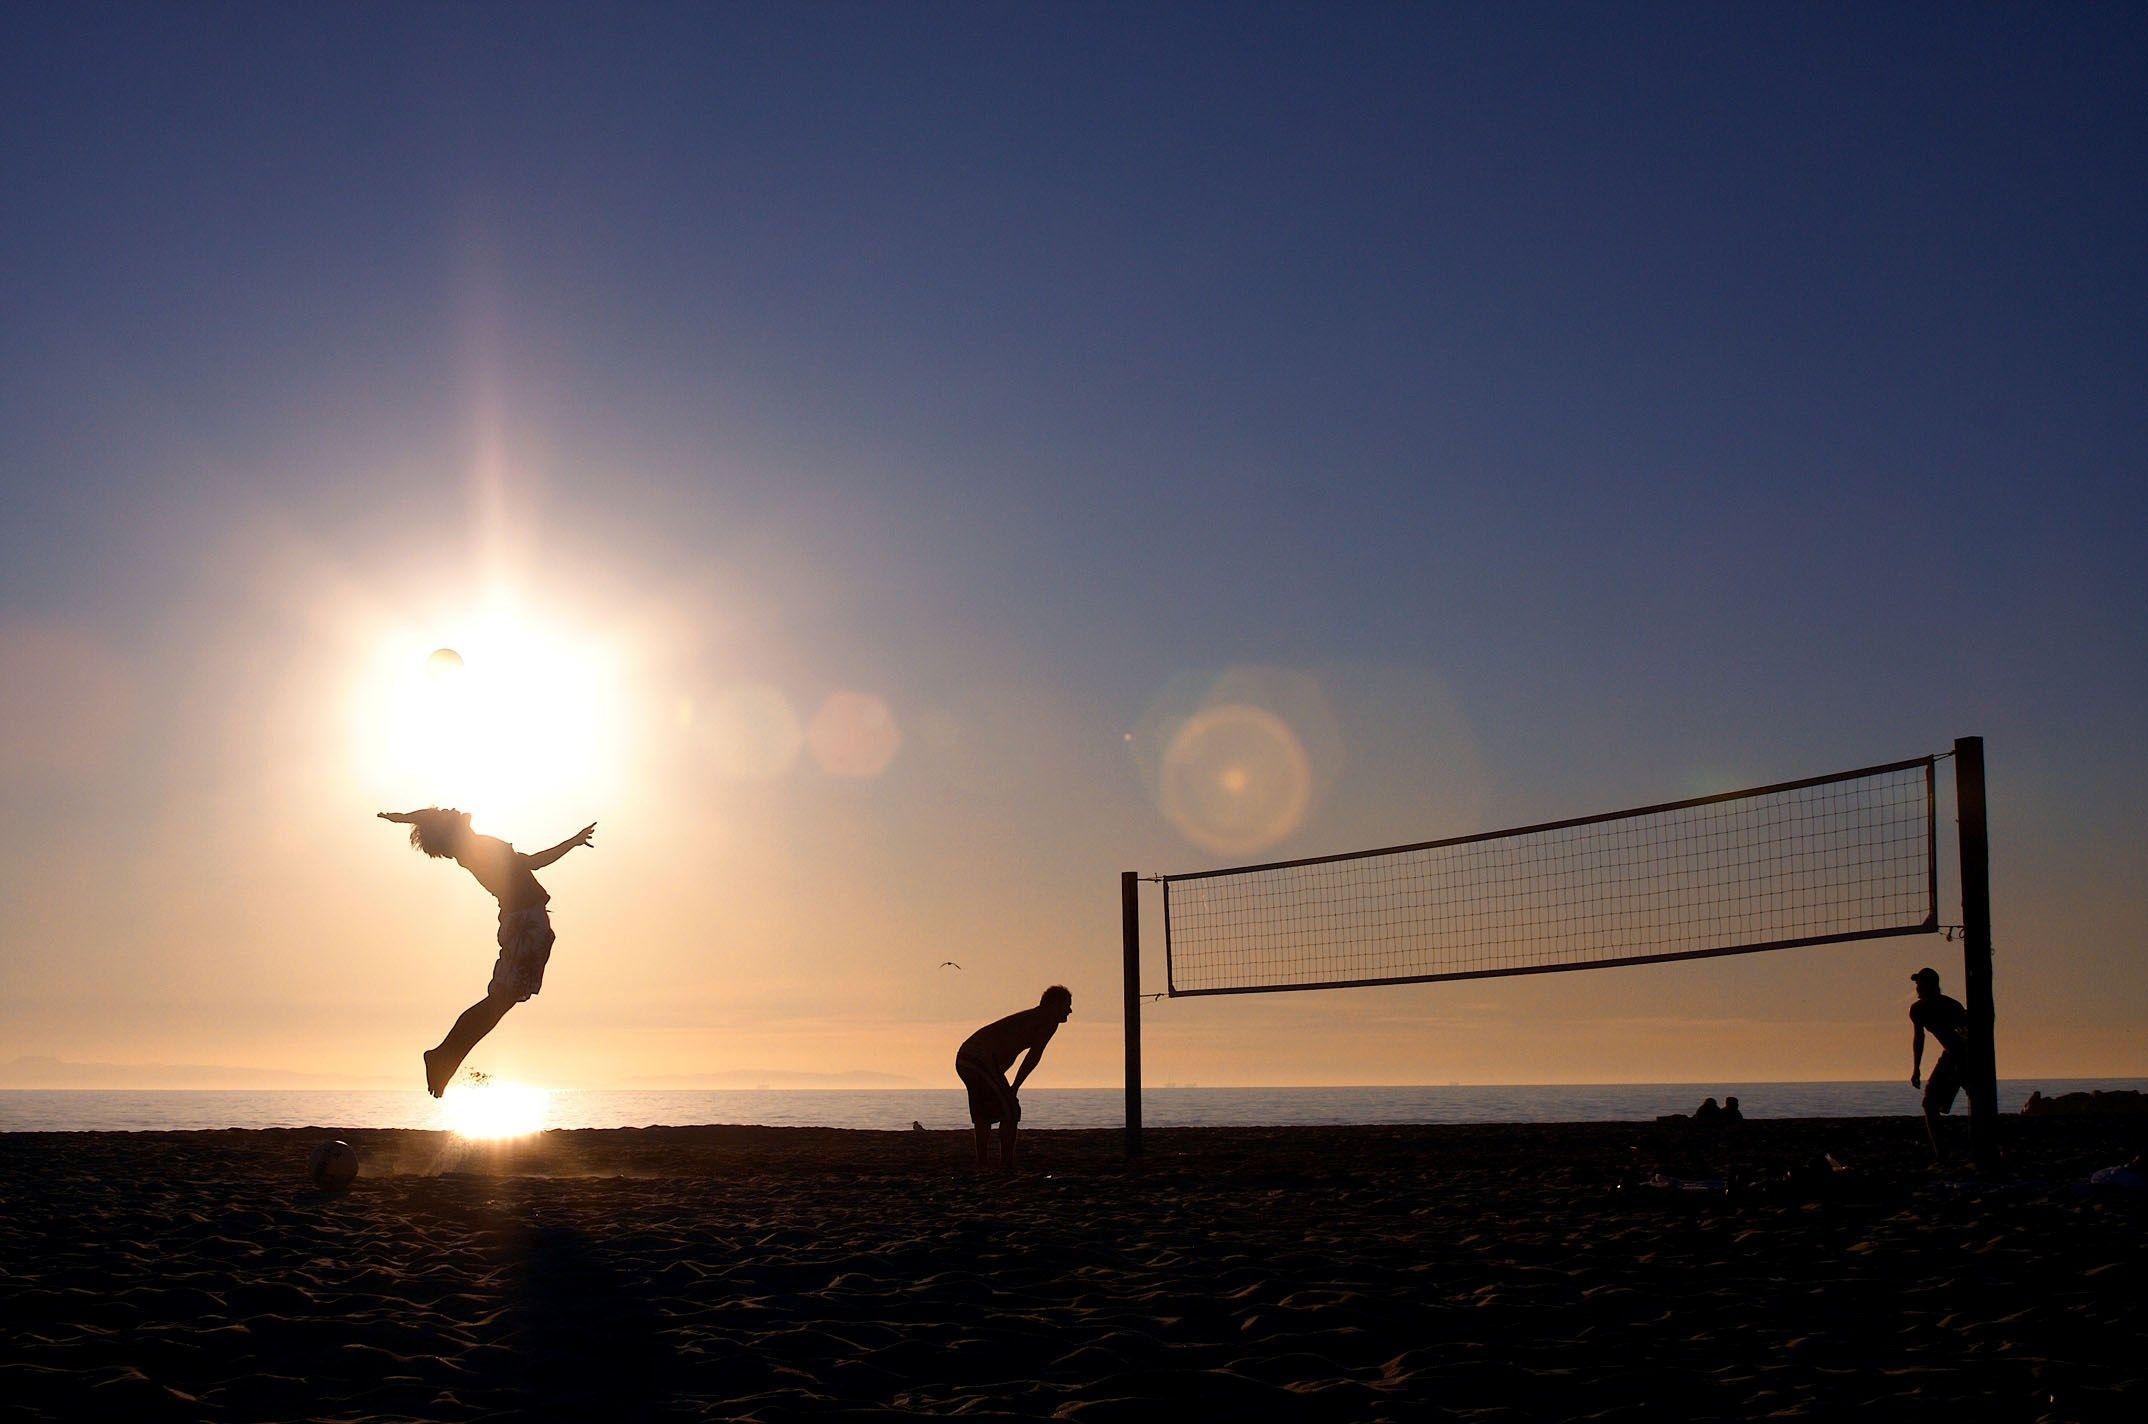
<point>1709,1115</point>
<point>982,1062</point>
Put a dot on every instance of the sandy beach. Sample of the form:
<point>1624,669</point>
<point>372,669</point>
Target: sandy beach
<point>1608,1271</point>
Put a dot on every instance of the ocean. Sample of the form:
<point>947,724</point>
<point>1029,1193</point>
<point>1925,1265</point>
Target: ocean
<point>895,1109</point>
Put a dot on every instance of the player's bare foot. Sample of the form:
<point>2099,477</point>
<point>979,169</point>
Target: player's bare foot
<point>437,1072</point>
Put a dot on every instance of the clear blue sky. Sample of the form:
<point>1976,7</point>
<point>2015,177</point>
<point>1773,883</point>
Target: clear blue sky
<point>1592,404</point>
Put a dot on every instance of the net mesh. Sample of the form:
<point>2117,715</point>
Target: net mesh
<point>1849,856</point>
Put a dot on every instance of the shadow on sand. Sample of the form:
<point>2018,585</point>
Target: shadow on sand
<point>583,1342</point>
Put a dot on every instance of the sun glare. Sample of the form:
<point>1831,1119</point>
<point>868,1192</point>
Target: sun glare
<point>503,717</point>
<point>494,1110</point>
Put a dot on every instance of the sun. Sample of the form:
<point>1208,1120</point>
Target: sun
<point>492,1109</point>
<point>505,715</point>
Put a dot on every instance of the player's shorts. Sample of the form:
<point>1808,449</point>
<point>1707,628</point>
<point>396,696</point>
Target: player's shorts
<point>1940,1088</point>
<point>991,1100</point>
<point>525,946</point>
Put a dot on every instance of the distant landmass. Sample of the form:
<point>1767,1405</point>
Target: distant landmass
<point>773,1078</point>
<point>44,1071</point>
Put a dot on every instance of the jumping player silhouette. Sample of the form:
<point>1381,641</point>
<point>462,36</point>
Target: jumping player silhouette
<point>525,936</point>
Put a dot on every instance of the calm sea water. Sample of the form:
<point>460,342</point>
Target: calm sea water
<point>28,1110</point>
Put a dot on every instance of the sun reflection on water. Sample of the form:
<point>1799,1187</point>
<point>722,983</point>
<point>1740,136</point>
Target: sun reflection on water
<point>492,1110</point>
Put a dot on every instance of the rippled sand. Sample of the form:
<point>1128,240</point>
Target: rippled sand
<point>1621,1271</point>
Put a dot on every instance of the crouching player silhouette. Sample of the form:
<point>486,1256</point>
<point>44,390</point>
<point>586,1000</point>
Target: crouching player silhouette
<point>525,936</point>
<point>982,1062</point>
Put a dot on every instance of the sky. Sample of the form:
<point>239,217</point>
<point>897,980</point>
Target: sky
<point>849,444</point>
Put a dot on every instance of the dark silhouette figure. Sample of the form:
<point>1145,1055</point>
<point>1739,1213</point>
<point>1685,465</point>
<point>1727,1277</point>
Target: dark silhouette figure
<point>1709,1118</point>
<point>525,936</point>
<point>982,1062</point>
<point>1946,1020</point>
<point>582,1342</point>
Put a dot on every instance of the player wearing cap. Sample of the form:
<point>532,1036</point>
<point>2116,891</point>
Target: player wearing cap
<point>1946,1020</point>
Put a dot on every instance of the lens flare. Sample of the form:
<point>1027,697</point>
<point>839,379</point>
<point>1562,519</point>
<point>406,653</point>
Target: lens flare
<point>1235,779</point>
<point>853,735</point>
<point>1238,760</point>
<point>751,733</point>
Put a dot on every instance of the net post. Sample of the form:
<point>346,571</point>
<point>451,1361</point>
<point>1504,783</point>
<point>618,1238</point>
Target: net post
<point>1976,947</point>
<point>1130,933</point>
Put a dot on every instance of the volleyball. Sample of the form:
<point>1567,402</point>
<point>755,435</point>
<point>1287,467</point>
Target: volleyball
<point>333,1165</point>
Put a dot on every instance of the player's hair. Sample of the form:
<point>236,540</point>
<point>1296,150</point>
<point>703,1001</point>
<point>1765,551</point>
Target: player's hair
<point>1059,993</point>
<point>434,830</point>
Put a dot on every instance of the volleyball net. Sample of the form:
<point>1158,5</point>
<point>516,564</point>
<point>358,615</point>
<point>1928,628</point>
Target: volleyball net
<point>1826,859</point>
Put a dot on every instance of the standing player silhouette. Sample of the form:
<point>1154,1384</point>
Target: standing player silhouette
<point>1945,1019</point>
<point>525,936</point>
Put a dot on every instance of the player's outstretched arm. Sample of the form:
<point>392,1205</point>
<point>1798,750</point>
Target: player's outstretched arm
<point>587,836</point>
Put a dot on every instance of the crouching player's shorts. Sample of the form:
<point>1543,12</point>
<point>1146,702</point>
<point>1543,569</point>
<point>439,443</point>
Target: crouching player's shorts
<point>991,1100</point>
<point>525,946</point>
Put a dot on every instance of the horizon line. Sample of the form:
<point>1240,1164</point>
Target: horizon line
<point>1086,1087</point>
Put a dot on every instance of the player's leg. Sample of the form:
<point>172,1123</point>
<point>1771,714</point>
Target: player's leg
<point>1010,1115</point>
<point>476,1021</point>
<point>525,941</point>
<point>1940,1091</point>
<point>982,1086</point>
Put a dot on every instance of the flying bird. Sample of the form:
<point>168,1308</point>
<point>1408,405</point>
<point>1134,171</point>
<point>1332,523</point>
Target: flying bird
<point>949,964</point>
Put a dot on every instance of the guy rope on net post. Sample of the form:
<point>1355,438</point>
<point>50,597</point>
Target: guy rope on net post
<point>1976,948</point>
<point>1130,933</point>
